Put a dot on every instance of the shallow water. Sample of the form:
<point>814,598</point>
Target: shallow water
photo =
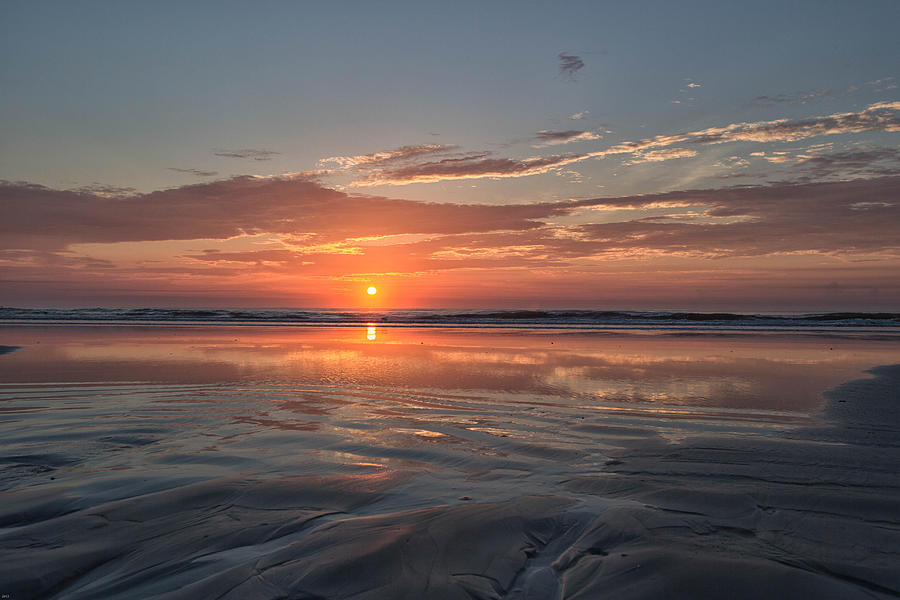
<point>264,461</point>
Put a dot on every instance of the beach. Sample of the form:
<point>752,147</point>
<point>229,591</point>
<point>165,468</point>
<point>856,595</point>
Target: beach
<point>450,300</point>
<point>372,461</point>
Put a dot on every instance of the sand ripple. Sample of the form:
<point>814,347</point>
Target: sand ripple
<point>364,493</point>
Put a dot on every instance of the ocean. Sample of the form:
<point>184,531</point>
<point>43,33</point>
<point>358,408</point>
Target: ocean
<point>578,319</point>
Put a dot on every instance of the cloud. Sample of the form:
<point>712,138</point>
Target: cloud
<point>387,156</point>
<point>662,155</point>
<point>877,117</point>
<point>821,218</point>
<point>833,217</point>
<point>745,221</point>
<point>818,162</point>
<point>881,85</point>
<point>106,190</point>
<point>740,175</point>
<point>197,172</point>
<point>687,89</point>
<point>798,98</point>
<point>555,138</point>
<point>776,156</point>
<point>580,115</point>
<point>304,235</point>
<point>569,65</point>
<point>881,116</point>
<point>37,217</point>
<point>250,153</point>
<point>878,85</point>
<point>475,166</point>
<point>888,105</point>
<point>852,163</point>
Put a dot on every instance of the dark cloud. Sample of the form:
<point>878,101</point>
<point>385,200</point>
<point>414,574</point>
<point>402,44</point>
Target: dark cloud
<point>740,175</point>
<point>105,189</point>
<point>474,166</point>
<point>197,172</point>
<point>844,218</point>
<point>45,259</point>
<point>825,219</point>
<point>36,217</point>
<point>249,153</point>
<point>569,65</point>
<point>852,163</point>
<point>847,217</point>
<point>798,98</point>
<point>878,85</point>
<point>703,235</point>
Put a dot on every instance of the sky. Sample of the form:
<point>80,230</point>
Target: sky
<point>609,155</point>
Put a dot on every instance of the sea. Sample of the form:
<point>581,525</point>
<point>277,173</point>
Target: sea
<point>569,319</point>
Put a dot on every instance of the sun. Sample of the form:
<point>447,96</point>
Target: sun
<point>372,290</point>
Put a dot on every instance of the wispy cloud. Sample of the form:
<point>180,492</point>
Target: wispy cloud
<point>816,165</point>
<point>886,105</point>
<point>387,156</point>
<point>555,138</point>
<point>881,116</point>
<point>248,153</point>
<point>798,98</point>
<point>878,85</point>
<point>790,131</point>
<point>688,88</point>
<point>197,172</point>
<point>106,190</point>
<point>740,175</point>
<point>580,115</point>
<point>854,163</point>
<point>662,155</point>
<point>569,65</point>
<point>776,156</point>
<point>471,167</point>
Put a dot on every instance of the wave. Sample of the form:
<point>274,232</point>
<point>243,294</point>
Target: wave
<point>597,318</point>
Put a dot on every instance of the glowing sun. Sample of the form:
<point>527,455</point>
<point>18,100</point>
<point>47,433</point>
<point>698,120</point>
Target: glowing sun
<point>371,291</point>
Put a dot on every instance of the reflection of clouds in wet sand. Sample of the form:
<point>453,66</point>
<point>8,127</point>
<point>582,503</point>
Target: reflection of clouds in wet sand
<point>740,371</point>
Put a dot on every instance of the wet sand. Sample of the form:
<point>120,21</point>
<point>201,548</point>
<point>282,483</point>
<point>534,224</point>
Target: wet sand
<point>257,462</point>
